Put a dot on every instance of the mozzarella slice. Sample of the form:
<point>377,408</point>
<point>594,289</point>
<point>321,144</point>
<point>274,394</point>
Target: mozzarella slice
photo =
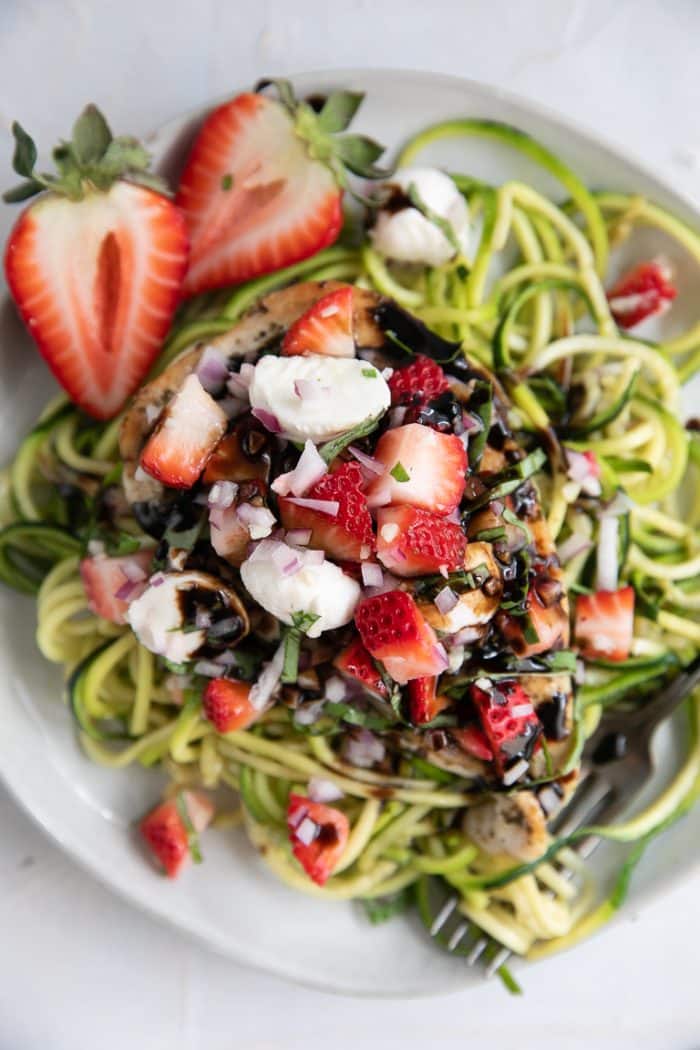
<point>323,589</point>
<point>407,234</point>
<point>352,391</point>
<point>158,616</point>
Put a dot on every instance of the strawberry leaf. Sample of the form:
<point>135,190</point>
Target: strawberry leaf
<point>25,153</point>
<point>339,109</point>
<point>124,154</point>
<point>22,192</point>
<point>91,136</point>
<point>358,154</point>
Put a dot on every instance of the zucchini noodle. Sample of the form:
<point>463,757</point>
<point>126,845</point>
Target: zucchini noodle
<point>543,324</point>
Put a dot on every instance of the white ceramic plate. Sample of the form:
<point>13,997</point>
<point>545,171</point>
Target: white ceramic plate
<point>232,903</point>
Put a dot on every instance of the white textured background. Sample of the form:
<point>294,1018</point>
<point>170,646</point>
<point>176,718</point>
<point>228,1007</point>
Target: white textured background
<point>79,969</point>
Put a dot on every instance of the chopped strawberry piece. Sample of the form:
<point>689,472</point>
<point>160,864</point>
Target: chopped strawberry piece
<point>394,631</point>
<point>412,542</point>
<point>472,740</point>
<point>318,834</point>
<point>253,197</point>
<point>347,535</point>
<point>544,627</point>
<point>509,722</point>
<point>187,433</point>
<point>325,328</point>
<point>356,663</point>
<point>226,704</point>
<point>111,584</point>
<point>418,382</point>
<point>645,291</point>
<point>423,468</point>
<point>604,623</point>
<point>423,703</point>
<point>167,834</point>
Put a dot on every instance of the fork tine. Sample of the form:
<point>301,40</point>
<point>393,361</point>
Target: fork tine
<point>444,914</point>
<point>477,951</point>
<point>499,959</point>
<point>457,936</point>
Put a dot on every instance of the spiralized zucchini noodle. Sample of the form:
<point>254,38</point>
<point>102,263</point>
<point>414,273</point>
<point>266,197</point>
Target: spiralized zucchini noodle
<point>530,305</point>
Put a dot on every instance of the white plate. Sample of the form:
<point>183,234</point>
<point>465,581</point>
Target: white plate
<point>232,903</point>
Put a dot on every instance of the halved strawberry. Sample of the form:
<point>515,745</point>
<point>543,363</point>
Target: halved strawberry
<point>227,706</point>
<point>395,632</point>
<point>347,534</point>
<point>356,663</point>
<point>254,194</point>
<point>423,703</point>
<point>604,623</point>
<point>417,382</point>
<point>472,740</point>
<point>412,542</point>
<point>318,834</point>
<point>171,829</point>
<point>423,468</point>
<point>187,433</point>
<point>645,291</point>
<point>111,584</point>
<point>326,328</point>
<point>508,720</point>
<point>95,265</point>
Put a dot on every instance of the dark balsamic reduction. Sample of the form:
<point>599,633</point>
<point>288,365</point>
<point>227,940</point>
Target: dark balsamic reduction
<point>416,336</point>
<point>552,715</point>
<point>443,413</point>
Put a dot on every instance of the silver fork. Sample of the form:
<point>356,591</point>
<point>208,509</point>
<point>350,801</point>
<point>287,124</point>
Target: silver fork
<point>616,763</point>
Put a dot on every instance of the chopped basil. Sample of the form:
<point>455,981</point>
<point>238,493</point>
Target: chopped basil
<point>369,373</point>
<point>354,716</point>
<point>301,621</point>
<point>511,478</point>
<point>184,539</point>
<point>564,660</point>
<point>227,181</point>
<point>333,448</point>
<point>529,633</point>
<point>463,580</point>
<point>192,837</point>
<point>513,519</point>
<point>443,225</point>
<point>393,338</point>
<point>548,764</point>
<point>175,668</point>
<point>481,405</point>
<point>399,472</point>
<point>497,533</point>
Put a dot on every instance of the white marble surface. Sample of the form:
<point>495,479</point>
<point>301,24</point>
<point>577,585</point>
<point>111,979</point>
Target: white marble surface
<point>78,968</point>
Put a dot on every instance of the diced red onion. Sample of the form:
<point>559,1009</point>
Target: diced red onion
<point>455,658</point>
<point>444,571</point>
<point>239,383</point>
<point>607,562</point>
<point>324,506</point>
<point>372,465</point>
<point>466,635</point>
<point>515,772</point>
<point>321,790</point>
<point>572,546</point>
<point>298,537</point>
<point>207,668</point>
<point>95,548</point>
<point>372,574</point>
<point>310,469</point>
<point>362,748</point>
<point>226,659</point>
<point>313,557</point>
<point>202,618</point>
<point>335,689</point>
<point>222,494</point>
<point>439,650</point>
<point>212,369</point>
<point>296,818</point>
<point>522,710</point>
<point>151,413</point>
<point>157,580</point>
<point>484,684</point>
<point>307,831</point>
<point>141,475</point>
<point>445,600</point>
<point>584,469</point>
<point>387,373</point>
<point>233,407</point>
<point>619,504</point>
<point>258,520</point>
<point>223,627</point>
<point>133,571</point>
<point>268,681</point>
<point>127,591</point>
<point>464,438</point>
<point>307,390</point>
<point>309,713</point>
<point>268,420</point>
<point>548,799</point>
<point>365,551</point>
<point>287,560</point>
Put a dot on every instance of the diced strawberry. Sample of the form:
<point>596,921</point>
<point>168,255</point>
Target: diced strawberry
<point>423,703</point>
<point>394,631</point>
<point>346,535</point>
<point>187,433</point>
<point>604,623</point>
<point>229,461</point>
<point>508,720</point>
<point>167,835</point>
<point>472,740</point>
<point>645,291</point>
<point>226,704</point>
<point>356,663</point>
<point>254,198</point>
<point>423,468</point>
<point>318,834</point>
<point>325,328</point>
<point>418,382</point>
<point>412,542</point>
<point>111,584</point>
<point>544,627</point>
<point>95,268</point>
<point>229,535</point>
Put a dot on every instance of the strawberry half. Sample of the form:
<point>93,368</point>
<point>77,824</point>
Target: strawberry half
<point>423,703</point>
<point>111,584</point>
<point>254,193</point>
<point>645,291</point>
<point>394,631</point>
<point>356,663</point>
<point>188,431</point>
<point>604,624</point>
<point>345,535</point>
<point>95,264</point>
<point>226,704</point>
<point>318,835</point>
<point>418,382</point>
<point>325,328</point>
<point>171,830</point>
<point>509,722</point>
<point>412,542</point>
<point>422,467</point>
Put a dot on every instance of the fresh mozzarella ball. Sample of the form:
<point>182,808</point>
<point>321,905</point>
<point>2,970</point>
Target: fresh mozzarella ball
<point>157,618</point>
<point>351,392</point>
<point>323,588</point>
<point>406,234</point>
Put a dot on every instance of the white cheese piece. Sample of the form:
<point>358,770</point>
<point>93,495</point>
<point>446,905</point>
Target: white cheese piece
<point>357,392</point>
<point>321,589</point>
<point>407,235</point>
<point>157,620</point>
